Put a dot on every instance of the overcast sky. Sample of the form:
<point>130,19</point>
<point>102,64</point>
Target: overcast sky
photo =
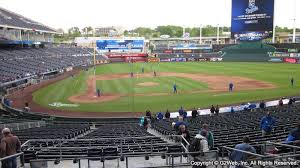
<point>134,13</point>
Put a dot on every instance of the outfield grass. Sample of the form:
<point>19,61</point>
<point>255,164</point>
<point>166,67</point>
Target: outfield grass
<point>277,74</point>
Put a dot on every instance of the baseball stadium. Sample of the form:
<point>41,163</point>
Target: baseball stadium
<point>173,96</point>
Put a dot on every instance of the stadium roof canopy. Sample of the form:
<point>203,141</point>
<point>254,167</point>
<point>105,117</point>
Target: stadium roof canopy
<point>12,20</point>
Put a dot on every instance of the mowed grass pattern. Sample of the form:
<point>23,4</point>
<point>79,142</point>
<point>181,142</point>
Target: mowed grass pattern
<point>277,74</point>
<point>164,85</point>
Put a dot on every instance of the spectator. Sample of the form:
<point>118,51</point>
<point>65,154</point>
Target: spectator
<point>212,110</point>
<point>199,144</point>
<point>252,106</point>
<point>245,146</point>
<point>160,116</point>
<point>167,114</point>
<point>6,101</point>
<point>267,124</point>
<point>194,113</point>
<point>232,109</point>
<point>291,101</point>
<point>180,111</point>
<point>178,123</point>
<point>280,102</point>
<point>217,110</point>
<point>26,107</point>
<point>294,135</point>
<point>148,114</point>
<point>146,123</point>
<point>185,133</point>
<point>262,105</point>
<point>184,115</point>
<point>10,145</point>
<point>210,136</point>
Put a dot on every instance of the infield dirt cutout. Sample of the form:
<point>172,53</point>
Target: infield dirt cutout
<point>216,83</point>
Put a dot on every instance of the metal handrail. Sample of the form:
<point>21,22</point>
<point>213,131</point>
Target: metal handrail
<point>285,145</point>
<point>126,156</point>
<point>182,137</point>
<point>89,140</point>
<point>104,146</point>
<point>95,139</point>
<point>21,154</point>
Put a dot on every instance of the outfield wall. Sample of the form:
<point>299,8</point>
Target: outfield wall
<point>248,52</point>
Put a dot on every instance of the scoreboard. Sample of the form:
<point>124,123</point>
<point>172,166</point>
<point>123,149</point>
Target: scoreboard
<point>120,45</point>
<point>252,20</point>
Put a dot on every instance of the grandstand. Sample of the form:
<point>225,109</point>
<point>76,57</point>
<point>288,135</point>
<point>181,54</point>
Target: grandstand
<point>22,64</point>
<point>123,138</point>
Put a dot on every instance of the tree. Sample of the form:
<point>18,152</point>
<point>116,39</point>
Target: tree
<point>144,32</point>
<point>172,31</point>
<point>87,30</point>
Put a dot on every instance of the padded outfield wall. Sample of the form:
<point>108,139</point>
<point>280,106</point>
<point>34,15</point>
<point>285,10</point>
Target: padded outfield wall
<point>248,52</point>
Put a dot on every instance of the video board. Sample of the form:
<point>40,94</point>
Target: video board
<point>120,45</point>
<point>252,20</point>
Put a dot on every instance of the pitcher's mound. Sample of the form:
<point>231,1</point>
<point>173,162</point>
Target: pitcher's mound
<point>147,84</point>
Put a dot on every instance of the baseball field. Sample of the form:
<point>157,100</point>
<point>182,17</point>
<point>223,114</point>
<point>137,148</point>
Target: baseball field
<point>199,84</point>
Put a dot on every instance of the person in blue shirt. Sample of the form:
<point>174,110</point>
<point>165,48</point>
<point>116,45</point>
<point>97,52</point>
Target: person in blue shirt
<point>267,124</point>
<point>184,115</point>
<point>174,88</point>
<point>179,122</point>
<point>181,111</point>
<point>160,116</point>
<point>245,146</point>
<point>294,135</point>
<point>232,109</point>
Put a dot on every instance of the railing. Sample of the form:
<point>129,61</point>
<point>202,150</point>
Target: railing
<point>290,155</point>
<point>266,159</point>
<point>15,156</point>
<point>58,145</point>
<point>125,157</point>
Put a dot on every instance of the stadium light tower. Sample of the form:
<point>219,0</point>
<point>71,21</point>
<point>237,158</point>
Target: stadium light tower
<point>294,24</point>
<point>218,33</point>
<point>200,38</point>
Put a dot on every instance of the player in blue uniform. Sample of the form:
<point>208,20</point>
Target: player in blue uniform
<point>174,88</point>
<point>98,93</point>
